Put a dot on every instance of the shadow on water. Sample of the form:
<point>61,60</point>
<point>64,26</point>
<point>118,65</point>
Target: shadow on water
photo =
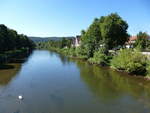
<point>21,59</point>
<point>6,66</point>
<point>6,75</point>
<point>10,70</point>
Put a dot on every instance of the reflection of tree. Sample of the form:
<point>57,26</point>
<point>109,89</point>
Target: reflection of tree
<point>52,53</point>
<point>108,84</point>
<point>64,59</point>
<point>7,74</point>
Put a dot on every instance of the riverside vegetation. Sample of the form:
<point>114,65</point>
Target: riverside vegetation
<point>104,34</point>
<point>13,45</point>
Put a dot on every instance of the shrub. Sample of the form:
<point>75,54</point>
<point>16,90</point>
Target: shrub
<point>148,69</point>
<point>64,51</point>
<point>99,58</point>
<point>81,53</point>
<point>71,52</point>
<point>130,61</point>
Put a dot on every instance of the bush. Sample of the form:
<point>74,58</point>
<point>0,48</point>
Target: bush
<point>12,55</point>
<point>148,69</point>
<point>81,53</point>
<point>130,61</point>
<point>99,58</point>
<point>72,52</point>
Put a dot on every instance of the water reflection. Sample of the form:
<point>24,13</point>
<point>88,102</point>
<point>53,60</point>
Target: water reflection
<point>64,60</point>
<point>6,75</point>
<point>51,83</point>
<point>110,85</point>
<point>10,70</point>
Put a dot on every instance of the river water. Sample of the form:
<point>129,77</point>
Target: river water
<point>51,83</point>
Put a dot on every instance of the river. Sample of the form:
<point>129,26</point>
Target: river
<point>51,83</point>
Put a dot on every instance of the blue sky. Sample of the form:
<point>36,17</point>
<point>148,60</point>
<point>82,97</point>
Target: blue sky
<point>69,17</point>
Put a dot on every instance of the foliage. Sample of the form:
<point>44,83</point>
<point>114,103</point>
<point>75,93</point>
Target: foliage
<point>99,58</point>
<point>90,38</point>
<point>13,54</point>
<point>63,43</point>
<point>81,53</point>
<point>108,31</point>
<point>113,30</point>
<point>130,61</point>
<point>11,40</point>
<point>142,41</point>
<point>148,68</point>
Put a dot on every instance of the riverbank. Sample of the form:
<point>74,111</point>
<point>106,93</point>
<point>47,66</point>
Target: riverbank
<point>13,56</point>
<point>130,61</point>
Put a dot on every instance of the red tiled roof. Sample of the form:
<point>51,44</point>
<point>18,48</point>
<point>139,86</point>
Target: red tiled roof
<point>133,38</point>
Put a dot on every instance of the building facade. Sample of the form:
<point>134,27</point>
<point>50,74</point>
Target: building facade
<point>76,41</point>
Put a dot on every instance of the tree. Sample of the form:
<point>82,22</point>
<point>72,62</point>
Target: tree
<point>142,41</point>
<point>11,40</point>
<point>108,31</point>
<point>65,42</point>
<point>3,38</point>
<point>113,30</point>
<point>91,38</point>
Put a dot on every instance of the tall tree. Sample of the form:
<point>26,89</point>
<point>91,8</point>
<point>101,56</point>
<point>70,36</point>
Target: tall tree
<point>142,41</point>
<point>108,31</point>
<point>91,38</point>
<point>114,30</point>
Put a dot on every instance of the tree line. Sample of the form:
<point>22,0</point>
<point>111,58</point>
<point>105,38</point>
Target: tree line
<point>11,40</point>
<point>62,43</point>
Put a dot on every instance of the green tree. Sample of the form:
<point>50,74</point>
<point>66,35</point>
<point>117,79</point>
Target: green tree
<point>3,38</point>
<point>108,31</point>
<point>91,38</point>
<point>142,41</point>
<point>11,40</point>
<point>113,30</point>
<point>65,42</point>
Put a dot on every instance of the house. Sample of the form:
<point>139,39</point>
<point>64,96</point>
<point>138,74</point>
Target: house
<point>76,41</point>
<point>132,40</point>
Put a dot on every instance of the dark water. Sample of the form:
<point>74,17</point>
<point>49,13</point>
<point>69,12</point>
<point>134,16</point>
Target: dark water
<point>51,83</point>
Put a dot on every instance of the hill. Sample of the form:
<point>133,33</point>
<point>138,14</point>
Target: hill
<point>45,39</point>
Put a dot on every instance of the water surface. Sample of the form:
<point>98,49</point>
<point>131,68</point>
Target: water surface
<point>51,83</point>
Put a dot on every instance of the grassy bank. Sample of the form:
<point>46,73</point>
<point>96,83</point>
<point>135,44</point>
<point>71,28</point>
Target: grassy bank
<point>127,60</point>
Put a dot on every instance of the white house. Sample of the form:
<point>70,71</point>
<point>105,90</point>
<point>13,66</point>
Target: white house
<point>76,41</point>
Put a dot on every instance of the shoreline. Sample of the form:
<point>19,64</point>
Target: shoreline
<point>146,78</point>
